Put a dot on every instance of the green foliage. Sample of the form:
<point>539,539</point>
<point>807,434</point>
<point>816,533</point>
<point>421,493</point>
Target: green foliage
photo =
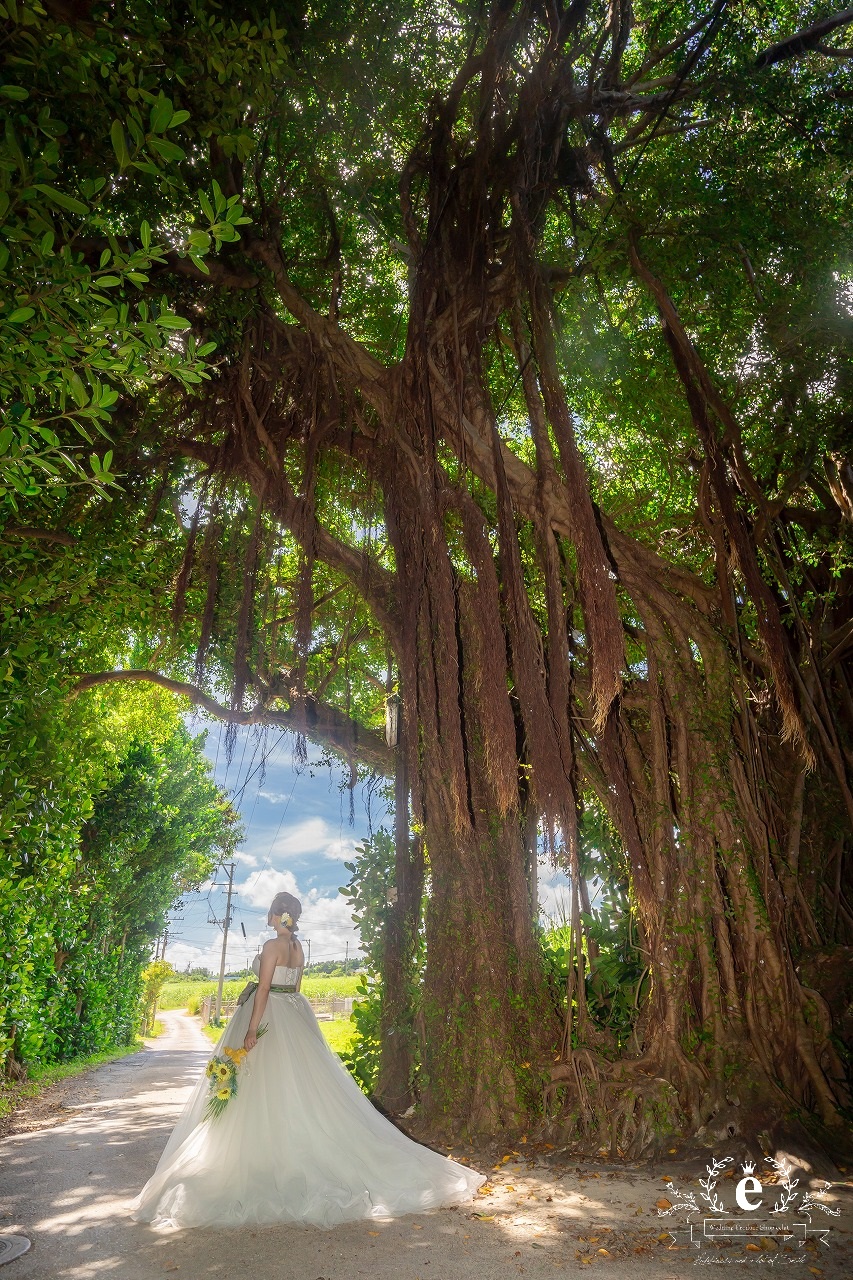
<point>154,977</point>
<point>370,891</point>
<point>85,231</point>
<point>113,819</point>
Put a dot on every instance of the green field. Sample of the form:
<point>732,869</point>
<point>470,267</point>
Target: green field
<point>339,1034</point>
<point>185,994</point>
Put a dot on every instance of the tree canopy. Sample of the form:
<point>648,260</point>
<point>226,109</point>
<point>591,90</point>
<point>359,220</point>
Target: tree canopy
<point>519,470</point>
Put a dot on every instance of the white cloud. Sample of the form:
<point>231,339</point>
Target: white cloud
<point>260,889</point>
<point>275,797</point>
<point>555,896</point>
<point>310,836</point>
<point>246,859</point>
<point>340,850</point>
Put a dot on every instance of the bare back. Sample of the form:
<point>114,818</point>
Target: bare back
<point>283,953</point>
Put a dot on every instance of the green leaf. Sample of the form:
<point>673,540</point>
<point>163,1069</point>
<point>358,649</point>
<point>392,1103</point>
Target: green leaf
<point>145,235</point>
<point>170,321</point>
<point>78,390</point>
<point>161,114</point>
<point>207,207</point>
<point>168,150</point>
<point>60,198</point>
<point>20,315</point>
<point>16,92</point>
<point>119,141</point>
<point>180,117</point>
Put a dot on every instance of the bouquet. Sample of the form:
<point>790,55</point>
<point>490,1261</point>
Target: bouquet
<point>222,1078</point>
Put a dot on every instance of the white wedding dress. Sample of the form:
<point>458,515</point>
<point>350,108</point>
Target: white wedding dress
<point>299,1143</point>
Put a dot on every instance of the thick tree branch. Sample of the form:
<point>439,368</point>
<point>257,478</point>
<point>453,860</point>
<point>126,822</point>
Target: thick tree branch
<point>38,535</point>
<point>804,41</point>
<point>356,365</point>
<point>323,724</point>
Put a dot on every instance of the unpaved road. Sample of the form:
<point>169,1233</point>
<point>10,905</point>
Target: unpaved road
<point>68,1175</point>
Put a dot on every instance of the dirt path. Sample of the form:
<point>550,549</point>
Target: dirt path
<point>79,1157</point>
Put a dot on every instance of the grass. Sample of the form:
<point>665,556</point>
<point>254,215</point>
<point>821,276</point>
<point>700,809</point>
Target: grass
<point>339,1034</point>
<point>15,1092</point>
<point>188,995</point>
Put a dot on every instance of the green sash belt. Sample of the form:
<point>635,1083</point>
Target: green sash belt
<point>284,989</point>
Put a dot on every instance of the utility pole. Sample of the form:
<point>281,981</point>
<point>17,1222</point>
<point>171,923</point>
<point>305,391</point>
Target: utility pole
<point>165,943</point>
<point>308,961</point>
<point>225,927</point>
<point>346,960</point>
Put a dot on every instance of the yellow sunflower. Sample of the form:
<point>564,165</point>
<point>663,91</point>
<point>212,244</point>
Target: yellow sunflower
<point>223,1071</point>
<point>224,1094</point>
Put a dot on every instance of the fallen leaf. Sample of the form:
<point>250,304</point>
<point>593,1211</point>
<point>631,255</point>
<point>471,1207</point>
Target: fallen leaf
<point>765,1243</point>
<point>666,1178</point>
<point>373,1233</point>
<point>524,1139</point>
<point>416,1226</point>
<point>663,1237</point>
<point>605,1253</point>
<point>593,1239</point>
<point>673,1150</point>
<point>815,1271</point>
<point>753,1248</point>
<point>484,1217</point>
<point>549,1146</point>
<point>637,1213</point>
<point>663,1203</point>
<point>508,1188</point>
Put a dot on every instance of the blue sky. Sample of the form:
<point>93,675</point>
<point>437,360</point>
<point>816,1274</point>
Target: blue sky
<point>298,837</point>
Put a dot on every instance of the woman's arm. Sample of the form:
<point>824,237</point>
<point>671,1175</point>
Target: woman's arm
<point>267,969</point>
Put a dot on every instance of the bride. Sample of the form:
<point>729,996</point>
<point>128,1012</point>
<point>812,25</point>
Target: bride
<point>298,1141</point>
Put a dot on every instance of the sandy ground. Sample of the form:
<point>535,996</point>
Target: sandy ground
<point>77,1157</point>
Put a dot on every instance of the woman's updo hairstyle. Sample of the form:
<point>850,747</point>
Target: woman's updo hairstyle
<point>285,903</point>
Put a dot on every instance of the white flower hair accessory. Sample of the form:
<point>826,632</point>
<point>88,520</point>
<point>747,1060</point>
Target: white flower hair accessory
<point>286,920</point>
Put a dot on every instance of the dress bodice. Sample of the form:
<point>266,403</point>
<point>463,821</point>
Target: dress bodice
<point>283,976</point>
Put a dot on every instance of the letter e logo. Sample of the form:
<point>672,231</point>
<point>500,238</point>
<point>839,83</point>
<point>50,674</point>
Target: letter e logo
<point>745,1187</point>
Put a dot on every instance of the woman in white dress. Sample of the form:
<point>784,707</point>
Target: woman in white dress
<point>298,1142</point>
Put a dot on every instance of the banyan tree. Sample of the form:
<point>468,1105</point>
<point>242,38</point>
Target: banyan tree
<point>528,420</point>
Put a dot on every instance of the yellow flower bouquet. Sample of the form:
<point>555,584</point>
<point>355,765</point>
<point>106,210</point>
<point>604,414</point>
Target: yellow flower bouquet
<point>221,1074</point>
